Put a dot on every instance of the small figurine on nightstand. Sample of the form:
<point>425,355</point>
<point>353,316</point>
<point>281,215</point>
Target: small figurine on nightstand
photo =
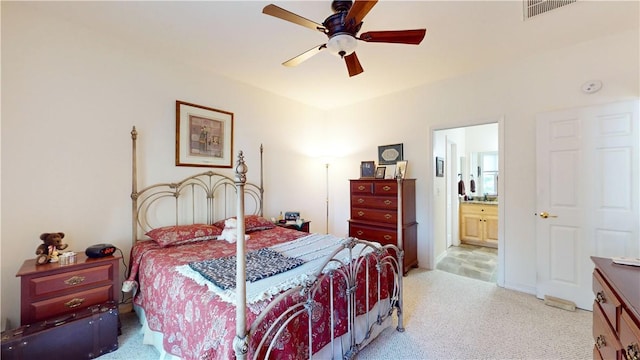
<point>48,251</point>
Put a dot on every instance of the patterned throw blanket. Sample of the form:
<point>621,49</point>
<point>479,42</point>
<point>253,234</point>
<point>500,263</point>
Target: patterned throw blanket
<point>312,250</point>
<point>260,264</point>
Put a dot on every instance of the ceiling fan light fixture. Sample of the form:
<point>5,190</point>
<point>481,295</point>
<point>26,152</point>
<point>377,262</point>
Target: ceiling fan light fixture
<point>342,44</point>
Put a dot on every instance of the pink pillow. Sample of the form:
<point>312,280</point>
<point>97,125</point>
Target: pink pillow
<point>182,234</point>
<point>251,223</point>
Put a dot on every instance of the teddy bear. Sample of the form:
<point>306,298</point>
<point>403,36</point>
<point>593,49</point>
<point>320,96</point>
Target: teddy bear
<point>230,231</point>
<point>48,251</point>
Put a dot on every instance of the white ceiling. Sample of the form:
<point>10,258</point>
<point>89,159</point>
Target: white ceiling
<point>235,39</point>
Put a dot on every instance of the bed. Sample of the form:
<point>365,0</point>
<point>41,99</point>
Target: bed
<point>273,293</point>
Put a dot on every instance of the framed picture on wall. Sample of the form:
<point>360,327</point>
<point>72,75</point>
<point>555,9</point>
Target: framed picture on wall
<point>390,154</point>
<point>204,136</point>
<point>439,167</point>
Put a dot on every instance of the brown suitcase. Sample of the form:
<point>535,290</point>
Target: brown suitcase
<point>85,334</point>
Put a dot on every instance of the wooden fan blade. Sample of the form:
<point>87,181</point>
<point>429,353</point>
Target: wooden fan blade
<point>283,14</point>
<point>413,37</point>
<point>353,64</point>
<point>359,10</point>
<point>304,56</point>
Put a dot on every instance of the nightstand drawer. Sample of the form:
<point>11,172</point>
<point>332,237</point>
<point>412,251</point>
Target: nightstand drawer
<point>41,310</point>
<point>51,289</point>
<point>53,283</point>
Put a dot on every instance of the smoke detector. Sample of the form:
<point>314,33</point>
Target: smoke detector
<point>592,86</point>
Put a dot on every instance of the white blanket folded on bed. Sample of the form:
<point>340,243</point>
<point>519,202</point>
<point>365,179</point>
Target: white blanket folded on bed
<point>314,249</point>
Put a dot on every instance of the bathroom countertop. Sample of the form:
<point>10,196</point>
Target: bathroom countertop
<point>481,202</point>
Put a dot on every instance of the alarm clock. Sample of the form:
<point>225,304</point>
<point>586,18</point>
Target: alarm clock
<point>100,250</point>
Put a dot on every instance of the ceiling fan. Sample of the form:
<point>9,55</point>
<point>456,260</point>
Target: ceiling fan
<point>342,30</point>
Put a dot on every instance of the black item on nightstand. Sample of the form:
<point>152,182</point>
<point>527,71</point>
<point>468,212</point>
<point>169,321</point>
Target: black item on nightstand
<point>85,334</point>
<point>100,250</point>
<point>304,227</point>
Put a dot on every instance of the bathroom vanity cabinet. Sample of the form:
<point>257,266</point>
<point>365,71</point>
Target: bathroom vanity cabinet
<point>479,223</point>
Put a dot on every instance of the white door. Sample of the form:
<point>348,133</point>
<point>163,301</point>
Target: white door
<point>587,195</point>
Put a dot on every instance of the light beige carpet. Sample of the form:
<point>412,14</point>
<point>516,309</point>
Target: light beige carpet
<point>452,317</point>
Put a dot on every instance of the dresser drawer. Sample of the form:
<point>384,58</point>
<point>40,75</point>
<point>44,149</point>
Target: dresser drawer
<point>387,188</point>
<point>362,187</point>
<point>361,201</point>
<point>374,215</point>
<point>629,336</point>
<point>381,235</point>
<point>604,336</point>
<point>41,310</point>
<point>46,285</point>
<point>608,301</point>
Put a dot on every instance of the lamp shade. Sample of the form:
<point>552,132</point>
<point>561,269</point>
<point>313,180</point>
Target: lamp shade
<point>342,44</point>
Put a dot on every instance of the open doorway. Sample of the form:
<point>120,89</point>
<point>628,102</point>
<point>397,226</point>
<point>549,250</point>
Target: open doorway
<point>466,202</point>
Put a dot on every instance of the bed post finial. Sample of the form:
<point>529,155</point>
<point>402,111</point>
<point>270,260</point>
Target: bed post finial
<point>241,169</point>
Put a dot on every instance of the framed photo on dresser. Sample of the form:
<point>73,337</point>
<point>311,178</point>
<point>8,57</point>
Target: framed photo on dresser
<point>401,169</point>
<point>367,169</point>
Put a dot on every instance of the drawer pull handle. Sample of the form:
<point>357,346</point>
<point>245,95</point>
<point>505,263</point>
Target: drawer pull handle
<point>360,201</point>
<point>388,216</point>
<point>600,342</point>
<point>386,188</point>
<point>74,280</point>
<point>360,213</point>
<point>359,232</point>
<point>600,297</point>
<point>387,202</point>
<point>73,303</point>
<point>387,237</point>
<point>632,352</point>
<point>361,187</point>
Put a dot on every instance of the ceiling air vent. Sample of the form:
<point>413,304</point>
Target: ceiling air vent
<point>537,7</point>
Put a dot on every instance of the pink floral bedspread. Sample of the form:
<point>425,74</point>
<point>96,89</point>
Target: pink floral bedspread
<point>197,325</point>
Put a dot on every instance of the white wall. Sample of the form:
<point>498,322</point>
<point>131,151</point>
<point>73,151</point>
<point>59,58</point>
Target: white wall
<point>515,91</point>
<point>69,100</point>
<point>70,97</point>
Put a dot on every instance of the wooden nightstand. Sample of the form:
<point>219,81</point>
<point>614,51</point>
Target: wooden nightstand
<point>52,289</point>
<point>304,227</point>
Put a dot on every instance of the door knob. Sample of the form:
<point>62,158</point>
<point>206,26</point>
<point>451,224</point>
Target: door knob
<point>545,215</point>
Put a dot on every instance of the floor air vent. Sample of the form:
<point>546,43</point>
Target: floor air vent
<point>537,7</point>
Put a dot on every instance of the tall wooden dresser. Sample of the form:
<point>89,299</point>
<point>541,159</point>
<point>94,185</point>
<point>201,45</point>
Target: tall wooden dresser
<point>616,310</point>
<point>375,210</point>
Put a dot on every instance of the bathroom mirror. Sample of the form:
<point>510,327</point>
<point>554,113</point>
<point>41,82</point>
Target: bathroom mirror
<point>483,166</point>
